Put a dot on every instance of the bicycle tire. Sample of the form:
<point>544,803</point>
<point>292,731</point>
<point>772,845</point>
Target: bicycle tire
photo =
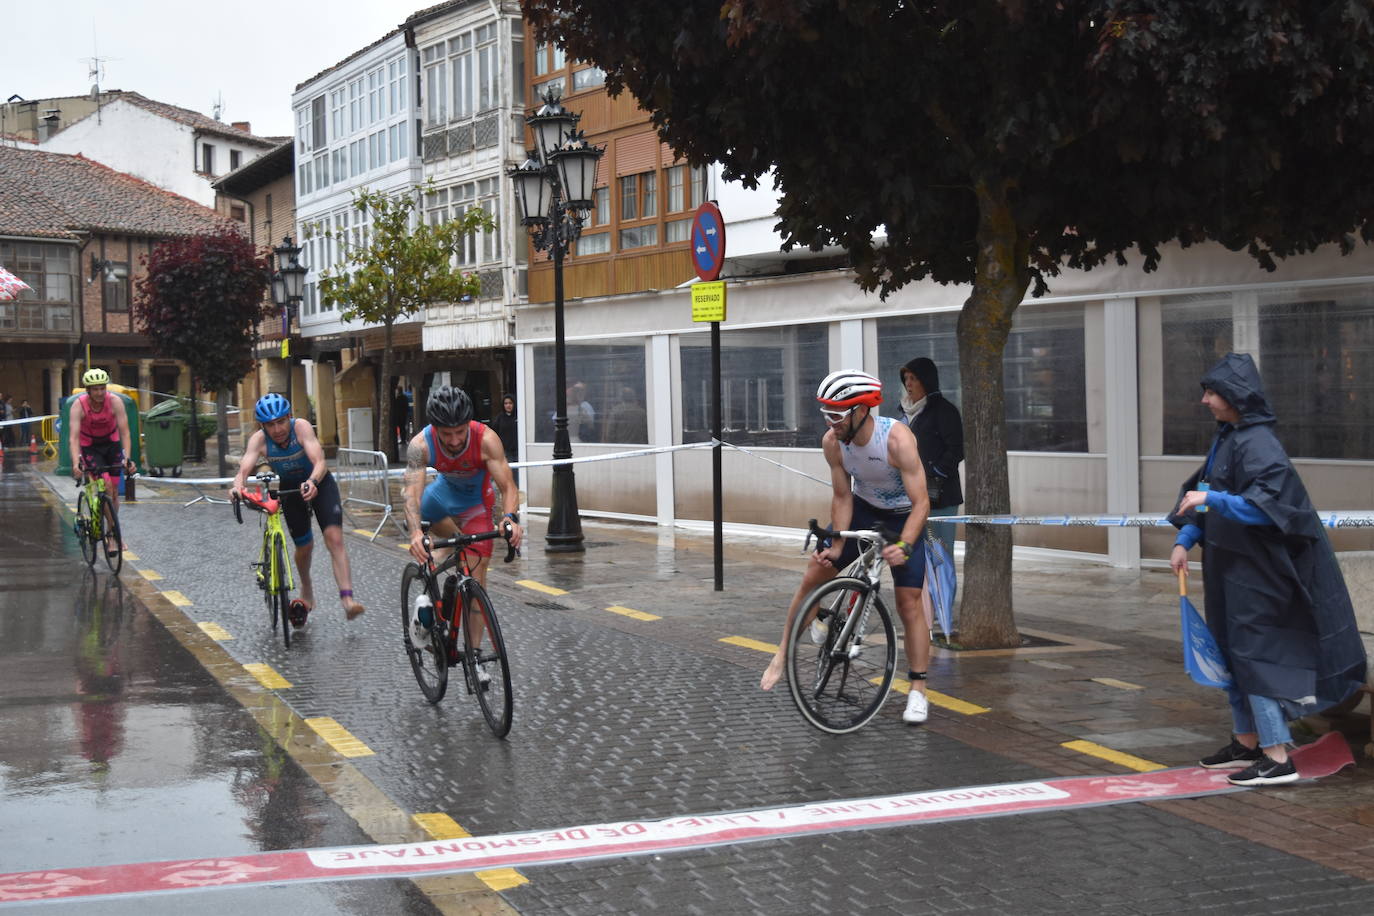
<point>83,529</point>
<point>489,652</point>
<point>282,592</point>
<point>838,689</point>
<point>111,542</point>
<point>429,663</point>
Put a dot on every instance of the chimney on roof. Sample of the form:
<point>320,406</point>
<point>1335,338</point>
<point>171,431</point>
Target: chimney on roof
<point>48,125</point>
<point>244,126</point>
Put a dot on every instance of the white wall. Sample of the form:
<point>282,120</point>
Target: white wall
<point>162,152</point>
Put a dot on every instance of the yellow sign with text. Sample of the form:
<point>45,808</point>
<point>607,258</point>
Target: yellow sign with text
<point>708,301</point>
<point>285,348</point>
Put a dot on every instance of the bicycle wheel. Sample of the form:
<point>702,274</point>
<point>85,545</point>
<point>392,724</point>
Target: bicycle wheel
<point>83,529</point>
<point>840,684</point>
<point>486,656</point>
<point>111,544</point>
<point>279,585</point>
<point>430,661</point>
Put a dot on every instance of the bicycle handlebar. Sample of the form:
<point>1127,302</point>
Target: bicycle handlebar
<point>463,540</point>
<point>100,471</point>
<point>825,536</point>
<point>265,480</point>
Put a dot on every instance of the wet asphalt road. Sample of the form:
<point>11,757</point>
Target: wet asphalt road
<point>117,746</point>
<point>614,720</point>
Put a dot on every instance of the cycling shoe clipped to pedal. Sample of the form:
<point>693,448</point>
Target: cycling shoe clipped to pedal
<point>297,613</point>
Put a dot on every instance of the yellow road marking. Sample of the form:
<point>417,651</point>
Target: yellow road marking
<point>149,575</point>
<point>631,612</point>
<point>338,737</point>
<point>936,698</point>
<point>540,587</point>
<point>130,555</point>
<point>177,598</point>
<point>748,643</point>
<point>267,676</point>
<point>442,827</point>
<point>215,631</point>
<point>363,531</point>
<point>1113,682</point>
<point>1140,764</point>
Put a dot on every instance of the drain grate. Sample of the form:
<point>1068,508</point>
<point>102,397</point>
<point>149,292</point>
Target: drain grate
<point>547,606</point>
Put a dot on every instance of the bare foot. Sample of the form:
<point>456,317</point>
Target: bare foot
<point>353,608</point>
<point>772,674</point>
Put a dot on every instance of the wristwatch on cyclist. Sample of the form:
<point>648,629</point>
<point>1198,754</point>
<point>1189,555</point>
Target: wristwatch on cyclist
<point>906,548</point>
<point>513,516</point>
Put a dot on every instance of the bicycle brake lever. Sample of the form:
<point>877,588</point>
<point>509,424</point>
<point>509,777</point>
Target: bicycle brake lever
<point>238,513</point>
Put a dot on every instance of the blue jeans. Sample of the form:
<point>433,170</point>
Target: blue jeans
<point>1261,715</point>
<point>943,531</point>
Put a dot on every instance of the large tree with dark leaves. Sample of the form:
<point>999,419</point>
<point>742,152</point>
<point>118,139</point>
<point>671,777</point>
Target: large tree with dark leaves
<point>200,302</point>
<point>998,143</point>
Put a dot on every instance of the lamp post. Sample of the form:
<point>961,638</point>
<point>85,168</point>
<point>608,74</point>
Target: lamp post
<point>554,188</point>
<point>288,288</point>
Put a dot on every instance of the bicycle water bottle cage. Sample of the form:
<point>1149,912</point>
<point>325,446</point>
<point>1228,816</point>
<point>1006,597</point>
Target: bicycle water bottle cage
<point>264,502</point>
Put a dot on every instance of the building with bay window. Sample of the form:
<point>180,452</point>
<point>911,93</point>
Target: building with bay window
<point>356,128</point>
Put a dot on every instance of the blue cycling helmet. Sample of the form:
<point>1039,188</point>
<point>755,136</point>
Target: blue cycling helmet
<point>271,406</point>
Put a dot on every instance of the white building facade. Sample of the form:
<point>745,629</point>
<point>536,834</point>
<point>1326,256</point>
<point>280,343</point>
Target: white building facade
<point>471,58</point>
<point>1101,381</point>
<point>355,129</point>
<point>176,149</point>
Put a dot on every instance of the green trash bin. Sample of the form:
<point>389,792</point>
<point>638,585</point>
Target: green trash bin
<point>164,429</point>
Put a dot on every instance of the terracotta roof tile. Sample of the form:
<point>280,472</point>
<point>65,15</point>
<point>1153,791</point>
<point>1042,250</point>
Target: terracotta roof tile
<point>193,119</point>
<point>59,196</point>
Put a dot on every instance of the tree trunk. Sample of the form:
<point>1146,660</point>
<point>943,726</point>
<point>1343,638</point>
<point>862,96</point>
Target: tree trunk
<point>197,444</point>
<point>222,430</point>
<point>1000,280</point>
<point>385,439</point>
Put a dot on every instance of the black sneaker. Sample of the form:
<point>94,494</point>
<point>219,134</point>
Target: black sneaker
<point>1232,756</point>
<point>1265,772</point>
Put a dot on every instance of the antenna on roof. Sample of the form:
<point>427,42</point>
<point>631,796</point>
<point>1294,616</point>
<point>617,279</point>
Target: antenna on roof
<point>219,104</point>
<point>95,71</point>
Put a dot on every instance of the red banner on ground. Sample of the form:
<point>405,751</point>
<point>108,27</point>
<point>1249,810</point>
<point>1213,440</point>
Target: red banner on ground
<point>621,838</point>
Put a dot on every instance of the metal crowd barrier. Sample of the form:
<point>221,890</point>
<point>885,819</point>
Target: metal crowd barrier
<point>362,477</point>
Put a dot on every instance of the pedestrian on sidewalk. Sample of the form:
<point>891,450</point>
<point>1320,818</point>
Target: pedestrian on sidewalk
<point>508,428</point>
<point>939,430</point>
<point>1275,598</point>
<point>875,477</point>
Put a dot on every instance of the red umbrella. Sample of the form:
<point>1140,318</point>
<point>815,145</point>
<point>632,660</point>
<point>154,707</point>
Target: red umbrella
<point>11,286</point>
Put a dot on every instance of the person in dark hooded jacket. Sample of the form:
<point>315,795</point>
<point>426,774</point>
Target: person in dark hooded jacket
<point>1275,598</point>
<point>939,438</point>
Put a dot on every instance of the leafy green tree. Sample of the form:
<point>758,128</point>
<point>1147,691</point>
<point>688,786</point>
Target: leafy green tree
<point>200,301</point>
<point>997,142</point>
<point>403,265</point>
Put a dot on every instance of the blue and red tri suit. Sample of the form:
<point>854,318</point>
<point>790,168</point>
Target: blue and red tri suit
<point>463,490</point>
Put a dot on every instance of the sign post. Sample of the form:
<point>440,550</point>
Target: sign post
<point>708,304</point>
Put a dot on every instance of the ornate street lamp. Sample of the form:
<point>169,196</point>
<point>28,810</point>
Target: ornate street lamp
<point>288,289</point>
<point>554,188</point>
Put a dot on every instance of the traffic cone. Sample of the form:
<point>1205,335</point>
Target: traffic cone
<point>33,449</point>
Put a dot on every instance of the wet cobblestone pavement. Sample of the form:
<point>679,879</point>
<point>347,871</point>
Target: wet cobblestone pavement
<point>618,718</point>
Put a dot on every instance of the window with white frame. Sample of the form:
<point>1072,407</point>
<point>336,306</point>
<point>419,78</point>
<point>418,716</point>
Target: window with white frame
<point>376,96</point>
<point>338,102</point>
<point>436,84</point>
<point>460,50</point>
<point>396,78</point>
<point>487,62</point>
<point>355,105</point>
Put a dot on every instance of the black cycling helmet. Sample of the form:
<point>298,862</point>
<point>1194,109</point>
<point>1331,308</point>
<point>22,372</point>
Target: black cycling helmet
<point>448,406</point>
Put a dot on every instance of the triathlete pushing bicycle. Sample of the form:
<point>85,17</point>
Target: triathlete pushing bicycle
<point>889,488</point>
<point>290,446</point>
<point>469,458</point>
<point>99,431</point>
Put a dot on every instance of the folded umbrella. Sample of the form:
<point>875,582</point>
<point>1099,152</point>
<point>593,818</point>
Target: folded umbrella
<point>1202,657</point>
<point>941,582</point>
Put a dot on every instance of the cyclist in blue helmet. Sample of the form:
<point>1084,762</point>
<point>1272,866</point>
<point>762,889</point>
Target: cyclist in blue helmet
<point>289,445</point>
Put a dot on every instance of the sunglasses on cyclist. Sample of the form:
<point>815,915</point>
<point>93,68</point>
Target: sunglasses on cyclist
<point>836,416</point>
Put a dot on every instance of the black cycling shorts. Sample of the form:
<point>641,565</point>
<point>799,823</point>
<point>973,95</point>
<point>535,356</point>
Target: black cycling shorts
<point>912,573</point>
<point>327,506</point>
<point>103,455</point>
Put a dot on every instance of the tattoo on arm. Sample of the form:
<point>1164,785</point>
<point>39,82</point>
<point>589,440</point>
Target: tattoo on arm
<point>416,459</point>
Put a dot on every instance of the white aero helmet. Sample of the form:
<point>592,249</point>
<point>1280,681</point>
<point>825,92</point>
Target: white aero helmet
<point>850,388</point>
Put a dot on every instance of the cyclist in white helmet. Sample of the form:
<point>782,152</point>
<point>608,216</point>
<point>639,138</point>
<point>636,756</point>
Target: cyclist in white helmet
<point>876,477</point>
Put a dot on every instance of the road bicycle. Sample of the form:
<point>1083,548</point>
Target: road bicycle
<point>463,630</point>
<point>842,650</point>
<point>272,571</point>
<point>97,521</point>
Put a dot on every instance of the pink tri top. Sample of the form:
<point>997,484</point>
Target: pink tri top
<point>98,426</point>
